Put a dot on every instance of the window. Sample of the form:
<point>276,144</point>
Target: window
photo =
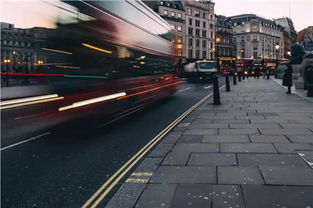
<point>165,12</point>
<point>204,54</point>
<point>190,54</point>
<point>211,44</point>
<point>173,14</point>
<point>211,17</point>
<point>203,15</point>
<point>197,23</point>
<point>197,54</point>
<point>190,31</point>
<point>204,33</point>
<point>197,43</point>
<point>190,21</point>
<point>197,32</point>
<point>203,24</point>
<point>179,39</point>
<point>204,44</point>
<point>189,11</point>
<point>197,13</point>
<point>179,28</point>
<point>179,15</point>
<point>212,35</point>
<point>211,26</point>
<point>190,42</point>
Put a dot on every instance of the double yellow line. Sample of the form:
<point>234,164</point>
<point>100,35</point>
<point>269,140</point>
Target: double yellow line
<point>102,192</point>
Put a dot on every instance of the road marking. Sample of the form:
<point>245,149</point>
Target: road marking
<point>27,140</point>
<point>207,87</point>
<point>182,90</point>
<point>96,198</point>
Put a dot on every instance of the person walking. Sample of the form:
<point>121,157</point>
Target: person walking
<point>287,79</point>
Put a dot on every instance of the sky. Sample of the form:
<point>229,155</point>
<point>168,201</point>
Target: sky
<point>300,11</point>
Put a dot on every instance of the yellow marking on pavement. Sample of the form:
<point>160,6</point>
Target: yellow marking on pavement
<point>142,174</point>
<point>93,201</point>
<point>136,180</point>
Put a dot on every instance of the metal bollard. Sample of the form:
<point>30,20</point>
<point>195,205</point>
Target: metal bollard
<point>234,79</point>
<point>243,76</point>
<point>310,90</point>
<point>227,83</point>
<point>216,91</point>
<point>239,76</point>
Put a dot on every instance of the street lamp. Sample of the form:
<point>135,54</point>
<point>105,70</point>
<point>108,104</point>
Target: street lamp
<point>277,46</point>
<point>217,40</point>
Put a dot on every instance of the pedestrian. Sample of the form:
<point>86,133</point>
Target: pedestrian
<point>257,72</point>
<point>287,79</point>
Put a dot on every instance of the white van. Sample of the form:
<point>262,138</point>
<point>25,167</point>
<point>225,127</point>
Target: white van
<point>200,70</point>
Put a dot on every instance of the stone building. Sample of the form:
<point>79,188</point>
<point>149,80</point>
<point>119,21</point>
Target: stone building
<point>256,37</point>
<point>224,37</point>
<point>173,12</point>
<point>287,23</point>
<point>200,29</point>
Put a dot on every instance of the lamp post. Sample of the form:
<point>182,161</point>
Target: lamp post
<point>217,41</point>
<point>277,46</point>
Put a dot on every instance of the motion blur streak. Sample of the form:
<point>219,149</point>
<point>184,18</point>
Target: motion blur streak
<point>91,101</point>
<point>145,91</point>
<point>8,102</point>
<point>67,67</point>
<point>32,102</point>
<point>57,51</point>
<point>96,48</point>
<point>31,74</point>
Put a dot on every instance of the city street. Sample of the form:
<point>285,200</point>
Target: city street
<point>64,168</point>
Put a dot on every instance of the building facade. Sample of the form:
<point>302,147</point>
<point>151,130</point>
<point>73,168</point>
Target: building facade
<point>200,29</point>
<point>174,13</point>
<point>256,37</point>
<point>287,23</point>
<point>224,37</point>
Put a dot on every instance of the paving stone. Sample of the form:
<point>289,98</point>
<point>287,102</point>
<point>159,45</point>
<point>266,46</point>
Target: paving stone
<point>208,116</point>
<point>161,150</point>
<point>290,160</point>
<point>201,132</point>
<point>297,126</point>
<point>156,195</point>
<point>247,148</point>
<point>207,196</point>
<point>184,174</point>
<point>307,156</point>
<point>292,148</point>
<point>190,139</point>
<point>301,139</point>
<point>287,175</point>
<point>226,138</point>
<point>208,126</point>
<point>278,196</point>
<point>202,121</point>
<point>126,196</point>
<point>149,164</point>
<point>172,137</point>
<point>239,175</point>
<point>228,121</point>
<point>196,147</point>
<point>212,159</point>
<point>254,126</point>
<point>263,114</point>
<point>238,131</point>
<point>296,132</point>
<point>176,158</point>
<point>259,117</point>
<point>269,139</point>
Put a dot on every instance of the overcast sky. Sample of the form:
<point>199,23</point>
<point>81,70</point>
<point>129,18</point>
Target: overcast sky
<point>300,11</point>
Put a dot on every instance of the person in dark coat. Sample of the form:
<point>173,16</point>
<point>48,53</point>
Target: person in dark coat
<point>257,72</point>
<point>287,79</point>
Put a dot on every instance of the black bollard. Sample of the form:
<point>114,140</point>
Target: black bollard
<point>268,75</point>
<point>234,79</point>
<point>239,76</point>
<point>310,90</point>
<point>216,91</point>
<point>243,76</point>
<point>227,83</point>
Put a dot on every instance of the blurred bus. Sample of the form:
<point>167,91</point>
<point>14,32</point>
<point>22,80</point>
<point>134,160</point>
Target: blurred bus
<point>63,60</point>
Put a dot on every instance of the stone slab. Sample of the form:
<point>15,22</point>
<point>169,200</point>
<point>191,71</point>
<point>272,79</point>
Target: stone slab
<point>275,175</point>
<point>208,126</point>
<point>212,159</point>
<point>278,196</point>
<point>172,137</point>
<point>201,132</point>
<point>184,174</point>
<point>247,148</point>
<point>269,139</point>
<point>238,131</point>
<point>190,139</point>
<point>292,148</point>
<point>301,139</point>
<point>290,160</point>
<point>230,121</point>
<point>196,147</point>
<point>161,150</point>
<point>226,138</point>
<point>207,196</point>
<point>254,126</point>
<point>156,195</point>
<point>295,132</point>
<point>239,175</point>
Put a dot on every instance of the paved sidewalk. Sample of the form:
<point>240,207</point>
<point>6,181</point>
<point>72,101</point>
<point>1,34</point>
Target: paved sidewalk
<point>248,152</point>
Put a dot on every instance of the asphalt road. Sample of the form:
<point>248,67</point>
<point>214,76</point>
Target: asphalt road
<point>64,167</point>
